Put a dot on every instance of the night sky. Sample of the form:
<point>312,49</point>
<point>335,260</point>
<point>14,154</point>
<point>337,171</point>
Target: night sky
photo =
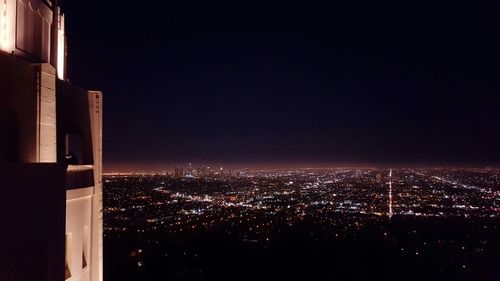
<point>364,82</point>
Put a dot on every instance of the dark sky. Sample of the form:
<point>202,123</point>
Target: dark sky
<point>391,82</point>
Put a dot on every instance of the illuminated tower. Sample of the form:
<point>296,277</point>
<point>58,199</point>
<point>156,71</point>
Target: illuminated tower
<point>50,152</point>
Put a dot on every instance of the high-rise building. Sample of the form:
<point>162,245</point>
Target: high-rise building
<point>178,172</point>
<point>50,152</point>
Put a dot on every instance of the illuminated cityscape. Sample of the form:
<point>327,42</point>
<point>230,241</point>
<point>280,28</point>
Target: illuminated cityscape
<point>411,214</point>
<point>303,140</point>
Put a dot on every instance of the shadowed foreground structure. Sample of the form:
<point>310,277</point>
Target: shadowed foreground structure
<point>50,152</point>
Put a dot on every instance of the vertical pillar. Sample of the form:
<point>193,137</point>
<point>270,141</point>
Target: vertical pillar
<point>95,110</point>
<point>54,33</point>
<point>46,135</point>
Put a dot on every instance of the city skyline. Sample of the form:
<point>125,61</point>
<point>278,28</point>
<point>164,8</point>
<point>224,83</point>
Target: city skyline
<point>175,140</point>
<point>167,167</point>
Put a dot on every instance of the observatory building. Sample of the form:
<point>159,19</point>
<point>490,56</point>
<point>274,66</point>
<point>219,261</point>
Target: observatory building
<point>50,152</point>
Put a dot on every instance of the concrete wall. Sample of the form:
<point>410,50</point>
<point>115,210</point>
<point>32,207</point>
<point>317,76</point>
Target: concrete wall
<point>29,103</point>
<point>79,111</point>
<point>46,119</point>
<point>18,107</point>
<point>32,208</point>
<point>33,29</point>
<point>37,111</point>
<point>78,231</point>
<point>95,110</point>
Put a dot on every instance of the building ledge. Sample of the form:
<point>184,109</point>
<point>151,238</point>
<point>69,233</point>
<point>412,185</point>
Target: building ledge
<point>79,176</point>
<point>79,193</point>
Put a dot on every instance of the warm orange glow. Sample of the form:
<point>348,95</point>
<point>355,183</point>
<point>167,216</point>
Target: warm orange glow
<point>61,49</point>
<point>7,25</point>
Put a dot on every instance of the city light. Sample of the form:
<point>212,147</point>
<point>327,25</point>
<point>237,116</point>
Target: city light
<point>396,207</point>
